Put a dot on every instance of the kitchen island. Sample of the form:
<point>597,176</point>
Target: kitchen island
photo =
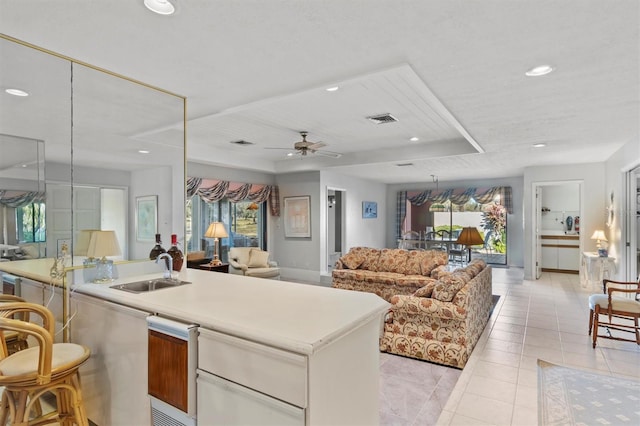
<point>268,351</point>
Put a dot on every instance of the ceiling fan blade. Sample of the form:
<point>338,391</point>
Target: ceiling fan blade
<point>286,149</point>
<point>328,154</point>
<point>316,145</point>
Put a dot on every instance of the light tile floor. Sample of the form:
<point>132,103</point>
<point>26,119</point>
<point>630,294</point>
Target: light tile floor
<point>547,318</point>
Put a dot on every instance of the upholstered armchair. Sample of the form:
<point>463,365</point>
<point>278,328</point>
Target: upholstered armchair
<point>252,262</point>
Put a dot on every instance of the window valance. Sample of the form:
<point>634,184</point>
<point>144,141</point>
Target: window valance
<point>211,190</point>
<point>17,199</point>
<point>499,194</point>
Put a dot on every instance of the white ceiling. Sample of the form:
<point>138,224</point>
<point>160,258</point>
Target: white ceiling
<point>451,72</point>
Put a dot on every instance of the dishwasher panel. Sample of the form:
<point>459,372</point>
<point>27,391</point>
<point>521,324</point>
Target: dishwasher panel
<point>172,370</point>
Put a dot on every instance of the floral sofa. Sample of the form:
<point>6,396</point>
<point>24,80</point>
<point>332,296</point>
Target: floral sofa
<point>386,272</point>
<point>442,321</point>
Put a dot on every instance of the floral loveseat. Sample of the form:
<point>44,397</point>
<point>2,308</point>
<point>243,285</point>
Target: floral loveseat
<point>386,272</point>
<point>442,321</point>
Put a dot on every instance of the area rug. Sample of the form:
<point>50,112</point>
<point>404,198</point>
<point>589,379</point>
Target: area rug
<point>568,396</point>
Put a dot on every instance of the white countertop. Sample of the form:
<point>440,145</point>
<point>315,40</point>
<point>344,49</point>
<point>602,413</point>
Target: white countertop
<point>36,269</point>
<point>297,317</point>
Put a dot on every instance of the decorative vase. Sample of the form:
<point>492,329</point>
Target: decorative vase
<point>569,223</point>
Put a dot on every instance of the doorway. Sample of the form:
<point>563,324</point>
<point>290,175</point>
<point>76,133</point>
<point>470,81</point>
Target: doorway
<point>335,226</point>
<point>556,227</point>
<point>632,234</point>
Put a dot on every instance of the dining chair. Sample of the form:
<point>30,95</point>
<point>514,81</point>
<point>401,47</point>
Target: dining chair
<point>46,367</point>
<point>620,311</point>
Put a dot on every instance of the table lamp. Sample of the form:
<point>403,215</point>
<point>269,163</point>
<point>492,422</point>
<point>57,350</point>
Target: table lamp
<point>101,245</point>
<point>598,235</point>
<point>216,231</point>
<point>81,246</point>
<point>469,237</point>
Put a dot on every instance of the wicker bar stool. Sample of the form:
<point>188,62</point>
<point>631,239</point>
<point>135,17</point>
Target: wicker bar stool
<point>47,367</point>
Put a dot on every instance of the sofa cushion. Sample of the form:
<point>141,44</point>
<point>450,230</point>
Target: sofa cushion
<point>439,271</point>
<point>447,286</point>
<point>393,260</point>
<point>431,260</point>
<point>475,267</point>
<point>258,259</point>
<point>370,257</point>
<point>352,260</point>
<point>414,259</point>
<point>386,278</point>
<point>427,290</point>
<point>414,280</point>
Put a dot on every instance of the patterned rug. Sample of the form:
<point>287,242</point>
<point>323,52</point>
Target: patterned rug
<point>567,396</point>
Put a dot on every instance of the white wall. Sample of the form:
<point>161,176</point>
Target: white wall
<point>158,181</point>
<point>592,217</point>
<point>515,225</point>
<point>358,231</point>
<point>563,201</point>
<point>623,160</point>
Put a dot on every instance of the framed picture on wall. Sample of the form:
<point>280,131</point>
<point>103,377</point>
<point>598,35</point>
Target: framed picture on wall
<point>146,218</point>
<point>297,217</point>
<point>369,210</point>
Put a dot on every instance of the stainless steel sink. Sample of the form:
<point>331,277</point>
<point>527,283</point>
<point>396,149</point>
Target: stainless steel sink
<point>150,285</point>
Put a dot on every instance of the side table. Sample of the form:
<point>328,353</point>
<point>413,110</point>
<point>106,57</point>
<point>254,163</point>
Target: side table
<point>594,268</point>
<point>224,267</point>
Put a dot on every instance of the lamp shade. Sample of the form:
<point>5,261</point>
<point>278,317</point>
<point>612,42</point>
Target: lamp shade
<point>470,237</point>
<point>599,235</point>
<point>81,246</point>
<point>103,243</point>
<point>216,230</point>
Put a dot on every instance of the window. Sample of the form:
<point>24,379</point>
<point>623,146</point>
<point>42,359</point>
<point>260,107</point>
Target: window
<point>245,223</point>
<point>30,223</point>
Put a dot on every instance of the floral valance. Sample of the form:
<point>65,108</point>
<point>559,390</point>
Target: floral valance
<point>17,199</point>
<point>499,194</point>
<point>211,190</point>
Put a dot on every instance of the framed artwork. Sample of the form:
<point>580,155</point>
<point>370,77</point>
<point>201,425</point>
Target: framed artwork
<point>146,218</point>
<point>297,217</point>
<point>369,210</point>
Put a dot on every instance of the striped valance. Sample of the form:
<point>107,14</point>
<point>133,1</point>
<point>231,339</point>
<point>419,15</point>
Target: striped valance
<point>211,190</point>
<point>17,199</point>
<point>499,194</point>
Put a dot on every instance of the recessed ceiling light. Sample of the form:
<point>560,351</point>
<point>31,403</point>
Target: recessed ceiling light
<point>539,145</point>
<point>289,154</point>
<point>539,70</point>
<point>414,139</point>
<point>16,92</point>
<point>161,7</point>
<point>143,151</point>
<point>332,89</point>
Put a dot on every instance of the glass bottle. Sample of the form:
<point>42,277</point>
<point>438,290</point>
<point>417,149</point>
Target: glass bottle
<point>157,250</point>
<point>176,253</point>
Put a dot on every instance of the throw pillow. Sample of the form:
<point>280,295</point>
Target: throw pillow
<point>258,259</point>
<point>447,287</point>
<point>352,260</point>
<point>425,291</point>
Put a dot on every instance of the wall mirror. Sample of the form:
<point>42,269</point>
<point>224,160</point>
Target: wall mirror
<point>102,141</point>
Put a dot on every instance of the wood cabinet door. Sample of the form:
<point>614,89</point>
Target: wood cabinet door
<point>168,369</point>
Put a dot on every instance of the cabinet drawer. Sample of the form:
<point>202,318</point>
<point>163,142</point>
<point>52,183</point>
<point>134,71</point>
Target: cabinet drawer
<point>221,402</point>
<point>274,372</point>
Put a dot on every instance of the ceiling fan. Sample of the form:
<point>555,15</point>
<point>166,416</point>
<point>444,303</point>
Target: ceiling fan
<point>305,147</point>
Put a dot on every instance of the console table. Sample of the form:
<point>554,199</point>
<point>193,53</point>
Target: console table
<point>593,269</point>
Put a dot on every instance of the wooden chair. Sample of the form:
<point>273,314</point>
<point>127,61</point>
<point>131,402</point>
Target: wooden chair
<point>621,313</point>
<point>46,367</point>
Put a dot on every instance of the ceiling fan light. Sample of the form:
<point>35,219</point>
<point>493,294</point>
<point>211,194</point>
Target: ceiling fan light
<point>332,89</point>
<point>161,7</point>
<point>539,145</point>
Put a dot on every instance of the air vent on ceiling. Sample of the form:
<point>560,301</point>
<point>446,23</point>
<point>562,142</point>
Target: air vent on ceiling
<point>382,118</point>
<point>242,142</point>
<point>404,164</point>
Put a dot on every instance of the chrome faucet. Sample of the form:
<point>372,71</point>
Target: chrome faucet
<point>169,264</point>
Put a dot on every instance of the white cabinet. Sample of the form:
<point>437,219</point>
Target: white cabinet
<point>242,382</point>
<point>560,253</point>
<point>47,295</point>
<point>114,379</point>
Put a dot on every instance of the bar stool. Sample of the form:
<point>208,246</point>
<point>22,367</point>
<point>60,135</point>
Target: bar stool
<point>47,367</point>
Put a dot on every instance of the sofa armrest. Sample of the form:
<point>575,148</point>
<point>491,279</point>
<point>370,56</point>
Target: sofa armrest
<point>237,265</point>
<point>410,307</point>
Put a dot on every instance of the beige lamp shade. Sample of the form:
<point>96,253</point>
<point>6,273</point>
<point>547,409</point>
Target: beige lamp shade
<point>470,237</point>
<point>599,235</point>
<point>102,244</point>
<point>82,243</point>
<point>216,230</point>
